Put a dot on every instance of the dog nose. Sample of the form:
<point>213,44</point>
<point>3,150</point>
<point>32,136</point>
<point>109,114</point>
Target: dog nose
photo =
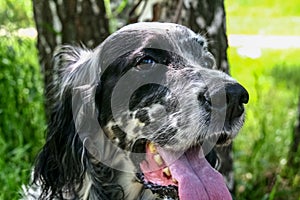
<point>235,94</point>
<point>236,97</point>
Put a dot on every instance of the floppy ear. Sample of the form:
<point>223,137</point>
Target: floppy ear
<point>63,166</point>
<point>59,164</point>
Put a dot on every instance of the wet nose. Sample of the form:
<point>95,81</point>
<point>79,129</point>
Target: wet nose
<point>235,94</point>
<point>236,97</point>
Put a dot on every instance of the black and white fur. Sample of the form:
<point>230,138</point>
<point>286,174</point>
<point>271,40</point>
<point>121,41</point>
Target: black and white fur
<point>178,100</point>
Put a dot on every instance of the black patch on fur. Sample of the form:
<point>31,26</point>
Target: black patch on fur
<point>119,134</point>
<point>143,116</point>
<point>166,135</point>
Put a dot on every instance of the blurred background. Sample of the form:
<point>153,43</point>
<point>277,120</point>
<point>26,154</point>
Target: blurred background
<point>263,55</point>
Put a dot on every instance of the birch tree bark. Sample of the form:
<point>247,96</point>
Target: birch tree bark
<point>67,22</point>
<point>206,17</point>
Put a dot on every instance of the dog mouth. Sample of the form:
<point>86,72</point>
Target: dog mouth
<point>180,175</point>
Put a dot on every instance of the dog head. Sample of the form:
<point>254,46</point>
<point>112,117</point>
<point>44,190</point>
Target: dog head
<point>143,109</point>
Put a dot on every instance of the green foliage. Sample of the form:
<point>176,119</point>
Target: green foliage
<point>16,14</point>
<point>270,8</point>
<point>113,9</point>
<point>261,148</point>
<point>270,17</point>
<point>22,121</point>
<point>287,74</point>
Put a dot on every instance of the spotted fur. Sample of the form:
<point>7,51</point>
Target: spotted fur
<point>146,82</point>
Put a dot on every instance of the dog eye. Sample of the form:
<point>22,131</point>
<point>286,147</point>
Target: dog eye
<point>145,63</point>
<point>208,61</point>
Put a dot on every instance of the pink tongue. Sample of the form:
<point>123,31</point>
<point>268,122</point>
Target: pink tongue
<point>196,178</point>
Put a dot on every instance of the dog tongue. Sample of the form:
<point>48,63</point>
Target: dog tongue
<point>196,178</point>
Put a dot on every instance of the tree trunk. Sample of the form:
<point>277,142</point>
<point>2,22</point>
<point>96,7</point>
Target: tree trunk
<point>208,18</point>
<point>66,22</point>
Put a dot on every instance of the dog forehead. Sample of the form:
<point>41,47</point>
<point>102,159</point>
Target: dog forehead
<point>166,36</point>
<point>156,27</point>
<point>170,34</point>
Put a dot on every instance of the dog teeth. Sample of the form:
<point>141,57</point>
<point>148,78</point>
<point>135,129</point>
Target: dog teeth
<point>152,148</point>
<point>174,180</point>
<point>158,159</point>
<point>167,171</point>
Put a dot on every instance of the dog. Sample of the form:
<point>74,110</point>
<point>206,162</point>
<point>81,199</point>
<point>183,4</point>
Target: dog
<point>135,117</point>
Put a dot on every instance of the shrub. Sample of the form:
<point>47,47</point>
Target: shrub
<point>22,119</point>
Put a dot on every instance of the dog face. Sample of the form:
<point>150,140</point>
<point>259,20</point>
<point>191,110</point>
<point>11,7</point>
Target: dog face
<point>173,97</point>
<point>164,92</point>
<point>149,101</point>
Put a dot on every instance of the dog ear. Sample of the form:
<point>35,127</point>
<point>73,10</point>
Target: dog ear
<point>61,164</point>
<point>64,166</point>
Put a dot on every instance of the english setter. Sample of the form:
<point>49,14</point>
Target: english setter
<point>135,117</point>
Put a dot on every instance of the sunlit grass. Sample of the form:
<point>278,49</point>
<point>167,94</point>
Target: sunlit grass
<point>264,25</point>
<point>262,8</point>
<point>261,149</point>
<point>269,17</point>
<point>273,80</point>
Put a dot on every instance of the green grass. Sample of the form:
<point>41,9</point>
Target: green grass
<point>269,17</point>
<point>261,149</point>
<point>269,8</point>
<point>264,25</point>
<point>273,80</point>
